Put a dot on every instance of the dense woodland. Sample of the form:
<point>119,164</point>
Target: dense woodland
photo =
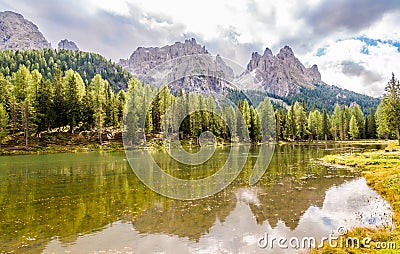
<point>32,104</point>
<point>47,61</point>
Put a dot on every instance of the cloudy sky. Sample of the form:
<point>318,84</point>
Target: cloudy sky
<point>355,43</point>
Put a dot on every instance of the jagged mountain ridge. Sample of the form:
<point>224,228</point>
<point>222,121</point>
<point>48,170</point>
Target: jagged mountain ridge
<point>282,74</point>
<point>68,45</point>
<point>18,33</point>
<point>175,66</point>
<point>281,77</point>
<point>144,59</point>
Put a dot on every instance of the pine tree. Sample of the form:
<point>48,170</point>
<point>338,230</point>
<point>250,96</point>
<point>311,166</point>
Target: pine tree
<point>74,91</point>
<point>315,124</point>
<point>3,124</point>
<point>354,131</point>
<point>336,122</point>
<point>99,104</point>
<point>23,93</point>
<point>267,119</point>
<point>371,127</point>
<point>359,115</point>
<point>390,107</point>
<point>301,121</point>
<point>291,126</point>
<point>325,124</point>
<point>255,126</point>
<point>59,100</point>
<point>44,106</point>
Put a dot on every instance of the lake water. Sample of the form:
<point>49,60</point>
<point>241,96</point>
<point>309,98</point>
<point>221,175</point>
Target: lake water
<point>93,202</point>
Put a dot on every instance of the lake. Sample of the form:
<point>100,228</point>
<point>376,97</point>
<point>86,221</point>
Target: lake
<point>93,202</point>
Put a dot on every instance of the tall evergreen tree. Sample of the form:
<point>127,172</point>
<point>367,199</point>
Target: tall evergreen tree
<point>99,104</point>
<point>3,123</point>
<point>371,126</point>
<point>44,106</point>
<point>336,122</point>
<point>74,91</point>
<point>326,124</point>
<point>354,131</point>
<point>390,107</point>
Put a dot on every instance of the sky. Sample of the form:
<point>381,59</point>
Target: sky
<point>355,43</point>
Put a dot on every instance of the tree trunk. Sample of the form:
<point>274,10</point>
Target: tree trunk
<point>398,135</point>
<point>26,138</point>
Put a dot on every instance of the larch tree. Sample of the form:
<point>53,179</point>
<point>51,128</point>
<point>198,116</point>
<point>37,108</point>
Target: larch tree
<point>99,104</point>
<point>390,107</point>
<point>3,124</point>
<point>353,128</point>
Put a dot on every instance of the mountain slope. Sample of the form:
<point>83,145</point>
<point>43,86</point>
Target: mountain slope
<point>48,60</point>
<point>18,33</point>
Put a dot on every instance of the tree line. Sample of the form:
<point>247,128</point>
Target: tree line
<point>31,104</point>
<point>47,61</point>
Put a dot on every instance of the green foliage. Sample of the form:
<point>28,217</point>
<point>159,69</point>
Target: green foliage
<point>388,113</point>
<point>370,125</point>
<point>3,123</point>
<point>354,131</point>
<point>99,103</point>
<point>48,61</point>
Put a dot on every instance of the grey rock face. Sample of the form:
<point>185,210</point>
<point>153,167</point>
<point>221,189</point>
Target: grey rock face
<point>144,59</point>
<point>282,74</point>
<point>66,44</point>
<point>18,33</point>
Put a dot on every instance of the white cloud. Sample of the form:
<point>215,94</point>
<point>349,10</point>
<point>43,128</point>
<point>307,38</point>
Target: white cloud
<point>367,74</point>
<point>234,29</point>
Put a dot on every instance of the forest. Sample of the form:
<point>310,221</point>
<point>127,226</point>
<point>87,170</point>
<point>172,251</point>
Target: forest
<point>47,61</point>
<point>50,92</point>
<point>31,104</point>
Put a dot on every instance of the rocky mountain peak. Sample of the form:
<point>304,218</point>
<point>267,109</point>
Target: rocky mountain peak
<point>144,59</point>
<point>282,74</point>
<point>68,45</point>
<point>18,33</point>
<point>267,51</point>
<point>286,52</point>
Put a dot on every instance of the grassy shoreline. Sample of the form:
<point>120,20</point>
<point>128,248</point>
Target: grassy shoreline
<point>75,143</point>
<point>381,170</point>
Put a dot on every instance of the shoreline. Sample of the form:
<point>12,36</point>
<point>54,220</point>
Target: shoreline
<point>381,169</point>
<point>77,146</point>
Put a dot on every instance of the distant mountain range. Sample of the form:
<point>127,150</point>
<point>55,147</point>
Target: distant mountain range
<point>281,76</point>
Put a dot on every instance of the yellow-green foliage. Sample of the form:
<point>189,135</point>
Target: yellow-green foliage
<point>381,169</point>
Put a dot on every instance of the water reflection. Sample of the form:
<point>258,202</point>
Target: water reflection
<point>89,202</point>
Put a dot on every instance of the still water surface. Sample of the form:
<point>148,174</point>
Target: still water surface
<point>93,202</point>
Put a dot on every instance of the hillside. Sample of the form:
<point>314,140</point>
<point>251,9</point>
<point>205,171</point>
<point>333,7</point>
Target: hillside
<point>47,61</point>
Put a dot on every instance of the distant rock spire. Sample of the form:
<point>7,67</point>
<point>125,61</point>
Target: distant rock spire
<point>66,44</point>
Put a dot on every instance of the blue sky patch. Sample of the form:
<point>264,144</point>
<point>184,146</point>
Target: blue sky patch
<point>374,43</point>
<point>365,50</point>
<point>321,51</point>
